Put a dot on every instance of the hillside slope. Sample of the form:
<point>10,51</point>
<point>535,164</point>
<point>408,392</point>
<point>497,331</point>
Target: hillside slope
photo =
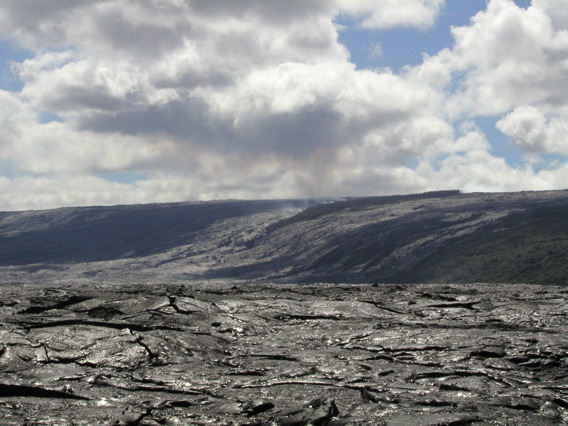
<point>434,237</point>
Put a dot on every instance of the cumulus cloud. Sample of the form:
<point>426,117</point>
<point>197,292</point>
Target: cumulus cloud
<point>259,99</point>
<point>510,63</point>
<point>392,13</point>
<point>506,58</point>
<point>533,131</point>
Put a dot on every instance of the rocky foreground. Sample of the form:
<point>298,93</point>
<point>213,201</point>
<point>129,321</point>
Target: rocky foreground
<point>284,354</point>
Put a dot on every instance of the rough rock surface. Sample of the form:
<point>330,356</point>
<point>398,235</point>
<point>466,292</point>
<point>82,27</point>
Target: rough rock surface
<point>284,354</point>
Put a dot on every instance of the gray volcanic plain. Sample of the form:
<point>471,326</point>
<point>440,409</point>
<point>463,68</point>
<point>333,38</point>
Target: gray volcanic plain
<point>288,312</point>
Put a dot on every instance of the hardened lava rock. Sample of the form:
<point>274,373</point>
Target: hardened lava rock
<point>284,354</point>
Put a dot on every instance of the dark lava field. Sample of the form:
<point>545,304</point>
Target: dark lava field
<point>284,355</point>
<point>430,309</point>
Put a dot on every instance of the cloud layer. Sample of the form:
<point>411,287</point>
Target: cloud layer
<point>259,99</point>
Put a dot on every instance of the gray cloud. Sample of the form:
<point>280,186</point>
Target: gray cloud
<point>187,121</point>
<point>272,12</point>
<point>149,39</point>
<point>296,134</point>
<point>190,122</point>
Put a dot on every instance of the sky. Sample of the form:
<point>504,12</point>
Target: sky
<point>106,102</point>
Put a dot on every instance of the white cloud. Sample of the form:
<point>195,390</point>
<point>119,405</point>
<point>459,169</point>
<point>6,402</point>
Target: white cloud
<point>53,148</point>
<point>556,11</point>
<point>510,63</point>
<point>392,13</point>
<point>479,171</point>
<point>12,112</point>
<point>506,58</point>
<point>258,99</point>
<point>534,132</point>
<point>375,51</point>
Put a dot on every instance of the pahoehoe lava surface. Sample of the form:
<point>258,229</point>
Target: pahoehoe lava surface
<point>284,354</point>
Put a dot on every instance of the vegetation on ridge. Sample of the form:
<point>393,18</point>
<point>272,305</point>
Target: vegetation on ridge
<point>524,248</point>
